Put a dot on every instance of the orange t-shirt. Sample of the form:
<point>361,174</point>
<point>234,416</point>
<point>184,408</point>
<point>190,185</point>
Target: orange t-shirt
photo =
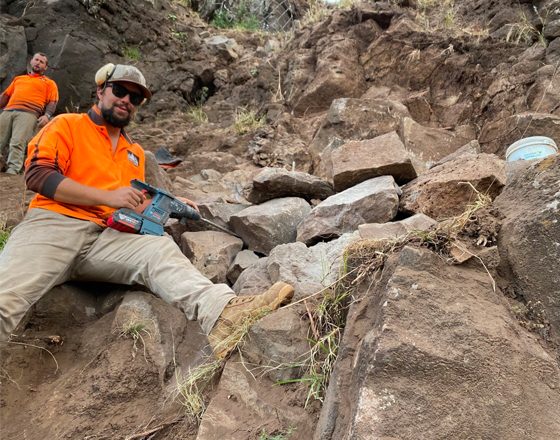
<point>79,148</point>
<point>31,93</point>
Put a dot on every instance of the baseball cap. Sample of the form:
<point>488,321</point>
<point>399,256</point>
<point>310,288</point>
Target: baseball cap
<point>121,72</point>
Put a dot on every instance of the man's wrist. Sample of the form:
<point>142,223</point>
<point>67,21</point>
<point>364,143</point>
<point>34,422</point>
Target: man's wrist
<point>48,115</point>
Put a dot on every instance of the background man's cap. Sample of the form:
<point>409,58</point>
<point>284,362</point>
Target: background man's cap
<point>121,72</point>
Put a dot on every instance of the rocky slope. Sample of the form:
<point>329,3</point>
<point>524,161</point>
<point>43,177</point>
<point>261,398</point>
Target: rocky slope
<point>381,121</point>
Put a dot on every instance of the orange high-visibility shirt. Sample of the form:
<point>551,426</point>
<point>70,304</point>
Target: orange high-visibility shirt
<point>31,93</point>
<point>79,148</point>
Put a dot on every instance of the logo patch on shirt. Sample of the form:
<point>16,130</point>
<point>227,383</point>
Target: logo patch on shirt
<point>133,158</point>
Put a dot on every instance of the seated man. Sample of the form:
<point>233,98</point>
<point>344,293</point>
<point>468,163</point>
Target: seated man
<point>80,166</point>
<point>30,100</point>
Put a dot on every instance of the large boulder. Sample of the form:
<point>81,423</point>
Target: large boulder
<point>529,239</point>
<point>356,161</point>
<point>353,119</point>
<point>372,201</point>
<point>445,190</point>
<point>272,183</point>
<point>486,377</point>
<point>428,145</point>
<point>262,227</point>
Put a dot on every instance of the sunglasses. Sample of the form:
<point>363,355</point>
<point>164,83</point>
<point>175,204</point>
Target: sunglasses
<point>121,91</point>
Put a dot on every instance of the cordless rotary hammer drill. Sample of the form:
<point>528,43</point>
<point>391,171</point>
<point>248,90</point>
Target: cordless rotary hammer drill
<point>162,207</point>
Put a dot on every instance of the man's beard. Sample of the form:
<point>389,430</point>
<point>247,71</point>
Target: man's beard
<point>111,119</point>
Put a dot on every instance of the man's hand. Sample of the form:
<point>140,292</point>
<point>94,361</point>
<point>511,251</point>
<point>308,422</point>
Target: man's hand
<point>42,121</point>
<point>125,197</point>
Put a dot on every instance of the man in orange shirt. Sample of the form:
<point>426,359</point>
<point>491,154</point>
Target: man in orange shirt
<point>30,100</point>
<point>80,166</point>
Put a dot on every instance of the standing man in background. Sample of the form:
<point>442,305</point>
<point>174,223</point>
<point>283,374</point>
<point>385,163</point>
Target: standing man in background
<point>29,101</point>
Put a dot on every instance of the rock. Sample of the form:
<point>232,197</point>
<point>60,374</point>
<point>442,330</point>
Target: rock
<point>254,280</point>
<point>389,339</point>
<point>224,47</point>
<point>553,52</point>
<point>544,94</point>
<point>356,161</point>
<point>496,136</point>
<point>309,270</point>
<point>262,227</point>
<point>272,183</point>
<point>529,238</point>
<point>552,29</point>
<point>13,57</point>
<point>242,261</point>
<point>444,191</point>
<point>355,119</point>
<point>470,149</point>
<point>279,344</point>
<point>239,400</point>
<point>428,145</point>
<point>211,252</point>
<point>392,230</point>
<point>372,201</point>
<point>336,74</point>
<point>155,175</point>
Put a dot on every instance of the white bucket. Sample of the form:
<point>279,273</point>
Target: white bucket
<point>534,147</point>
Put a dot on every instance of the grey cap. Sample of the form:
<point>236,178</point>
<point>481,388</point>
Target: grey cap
<point>122,72</point>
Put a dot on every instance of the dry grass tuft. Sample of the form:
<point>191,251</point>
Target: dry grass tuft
<point>190,388</point>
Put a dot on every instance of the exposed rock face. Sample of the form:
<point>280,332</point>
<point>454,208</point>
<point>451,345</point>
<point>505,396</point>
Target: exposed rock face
<point>337,73</point>
<point>497,136</point>
<point>272,183</point>
<point>262,227</point>
<point>356,161</point>
<point>373,201</point>
<point>13,57</point>
<point>529,239</point>
<point>428,145</point>
<point>396,375</point>
<point>353,119</point>
<point>444,191</point>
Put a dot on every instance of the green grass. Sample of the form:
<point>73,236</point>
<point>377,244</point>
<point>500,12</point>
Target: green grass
<point>239,18</point>
<point>247,121</point>
<point>284,435</point>
<point>132,53</point>
<point>4,234</point>
<point>190,388</point>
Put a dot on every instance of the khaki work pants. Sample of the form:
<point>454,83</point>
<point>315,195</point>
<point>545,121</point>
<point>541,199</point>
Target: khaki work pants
<point>47,249</point>
<point>16,130</point>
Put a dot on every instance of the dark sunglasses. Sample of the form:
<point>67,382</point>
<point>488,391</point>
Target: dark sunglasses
<point>121,91</point>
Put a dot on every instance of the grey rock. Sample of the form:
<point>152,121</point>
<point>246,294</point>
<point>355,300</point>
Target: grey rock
<point>392,230</point>
<point>272,183</point>
<point>262,227</point>
<point>402,375</point>
<point>529,239</point>
<point>242,261</point>
<point>372,201</point>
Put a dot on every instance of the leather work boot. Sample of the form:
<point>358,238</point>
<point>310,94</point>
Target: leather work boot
<point>232,325</point>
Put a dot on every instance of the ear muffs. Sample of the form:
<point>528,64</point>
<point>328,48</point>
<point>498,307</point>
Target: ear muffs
<point>105,73</point>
